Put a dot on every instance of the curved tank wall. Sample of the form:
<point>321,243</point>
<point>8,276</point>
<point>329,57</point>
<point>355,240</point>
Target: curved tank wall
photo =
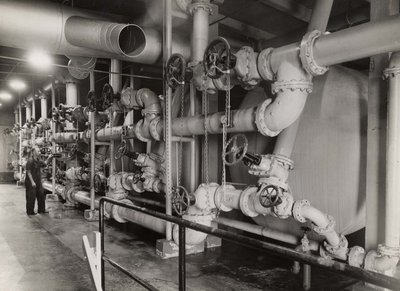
<point>329,153</point>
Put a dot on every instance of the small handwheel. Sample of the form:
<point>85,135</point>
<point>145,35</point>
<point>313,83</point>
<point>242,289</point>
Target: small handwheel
<point>235,149</point>
<point>270,196</point>
<point>175,70</point>
<point>180,200</point>
<point>218,59</point>
<point>121,151</point>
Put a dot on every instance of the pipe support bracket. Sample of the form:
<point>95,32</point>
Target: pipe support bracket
<point>307,54</point>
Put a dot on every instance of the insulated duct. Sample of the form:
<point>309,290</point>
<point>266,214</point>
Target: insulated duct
<point>46,26</point>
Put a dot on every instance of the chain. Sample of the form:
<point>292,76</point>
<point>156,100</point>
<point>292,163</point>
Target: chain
<point>180,159</point>
<point>122,138</point>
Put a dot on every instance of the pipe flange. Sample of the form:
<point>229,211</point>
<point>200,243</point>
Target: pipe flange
<point>292,85</point>
<point>260,120</point>
<point>391,72</point>
<point>264,64</point>
<point>284,161</point>
<point>219,198</point>
<point>297,207</point>
<point>69,189</point>
<point>155,186</point>
<point>356,256</point>
<point>199,4</point>
<point>114,211</point>
<point>246,68</point>
<point>388,251</point>
<point>138,134</point>
<point>307,54</point>
<point>324,230</point>
<point>153,128</point>
<point>138,187</point>
<point>340,251</point>
<point>244,201</point>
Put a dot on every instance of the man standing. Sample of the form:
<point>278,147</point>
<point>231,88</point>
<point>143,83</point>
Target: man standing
<point>33,182</point>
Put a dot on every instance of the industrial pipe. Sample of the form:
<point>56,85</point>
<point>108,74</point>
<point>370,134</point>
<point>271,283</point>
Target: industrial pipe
<point>80,67</point>
<point>28,113</point>
<point>45,26</point>
<point>201,11</point>
<point>43,107</point>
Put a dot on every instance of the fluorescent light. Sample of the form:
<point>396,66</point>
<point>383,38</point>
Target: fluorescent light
<point>4,95</point>
<point>40,60</point>
<point>17,85</point>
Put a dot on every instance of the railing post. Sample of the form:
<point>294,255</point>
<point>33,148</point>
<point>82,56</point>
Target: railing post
<point>182,258</point>
<point>101,228</point>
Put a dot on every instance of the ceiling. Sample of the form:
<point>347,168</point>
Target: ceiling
<point>261,23</point>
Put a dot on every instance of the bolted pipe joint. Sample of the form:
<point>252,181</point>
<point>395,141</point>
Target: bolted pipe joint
<point>246,68</point>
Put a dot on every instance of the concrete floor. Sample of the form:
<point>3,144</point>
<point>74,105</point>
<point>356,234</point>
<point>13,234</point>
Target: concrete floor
<point>44,252</point>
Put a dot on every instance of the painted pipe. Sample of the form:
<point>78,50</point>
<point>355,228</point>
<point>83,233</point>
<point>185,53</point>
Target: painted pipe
<point>392,221</point>
<point>28,113</point>
<point>80,67</point>
<point>44,27</point>
<point>33,106</point>
<point>43,107</point>
<point>92,146</point>
<point>200,30</point>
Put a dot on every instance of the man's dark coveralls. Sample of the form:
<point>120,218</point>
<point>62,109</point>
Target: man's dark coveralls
<point>34,192</point>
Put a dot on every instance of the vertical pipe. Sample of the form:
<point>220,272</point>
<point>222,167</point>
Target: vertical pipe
<point>92,146</point>
<point>71,93</point>
<point>200,31</point>
<point>392,220</point>
<point>43,107</point>
<point>20,136</point>
<point>33,108</point>
<point>319,20</point>
<point>28,113</point>
<point>182,258</point>
<point>168,121</point>
<point>53,144</point>
<point>101,229</point>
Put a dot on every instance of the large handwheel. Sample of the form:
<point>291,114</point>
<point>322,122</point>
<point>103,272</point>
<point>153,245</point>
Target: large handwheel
<point>235,149</point>
<point>175,70</point>
<point>121,151</point>
<point>218,59</point>
<point>180,200</point>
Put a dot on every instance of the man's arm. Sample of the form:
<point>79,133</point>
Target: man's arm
<point>29,174</point>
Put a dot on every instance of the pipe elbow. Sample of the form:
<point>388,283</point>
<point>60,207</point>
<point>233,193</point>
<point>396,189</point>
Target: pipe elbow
<point>148,100</point>
<point>193,237</point>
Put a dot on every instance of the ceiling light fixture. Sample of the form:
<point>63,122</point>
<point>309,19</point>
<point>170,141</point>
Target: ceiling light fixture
<point>17,85</point>
<point>4,95</point>
<point>40,60</point>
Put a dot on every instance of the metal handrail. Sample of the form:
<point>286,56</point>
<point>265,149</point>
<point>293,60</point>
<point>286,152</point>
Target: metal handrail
<point>324,263</point>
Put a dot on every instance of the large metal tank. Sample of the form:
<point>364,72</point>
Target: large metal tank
<point>330,150</point>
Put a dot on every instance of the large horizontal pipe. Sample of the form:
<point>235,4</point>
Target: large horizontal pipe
<point>43,25</point>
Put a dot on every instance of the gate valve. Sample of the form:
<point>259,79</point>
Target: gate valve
<point>218,59</point>
<point>93,101</point>
<point>180,200</point>
<point>123,151</point>
<point>235,149</point>
<point>270,196</point>
<point>177,72</point>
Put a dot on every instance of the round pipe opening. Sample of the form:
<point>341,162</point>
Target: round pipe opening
<point>132,40</point>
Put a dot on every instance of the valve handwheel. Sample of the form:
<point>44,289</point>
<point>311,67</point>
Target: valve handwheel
<point>175,70</point>
<point>121,151</point>
<point>91,97</point>
<point>180,200</point>
<point>235,149</point>
<point>218,59</point>
<point>270,196</point>
<point>108,95</point>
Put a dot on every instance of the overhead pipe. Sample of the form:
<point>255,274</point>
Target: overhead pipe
<point>80,67</point>
<point>45,26</point>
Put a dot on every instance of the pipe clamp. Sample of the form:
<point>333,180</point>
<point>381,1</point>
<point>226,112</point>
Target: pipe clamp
<point>260,120</point>
<point>297,207</point>
<point>307,54</point>
<point>264,64</point>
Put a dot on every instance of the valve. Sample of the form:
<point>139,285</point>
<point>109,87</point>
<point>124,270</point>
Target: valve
<point>122,150</point>
<point>108,95</point>
<point>94,102</point>
<point>180,200</point>
<point>235,149</point>
<point>218,59</point>
<point>270,196</point>
<point>175,71</point>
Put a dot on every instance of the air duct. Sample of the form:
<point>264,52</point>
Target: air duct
<point>46,26</point>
